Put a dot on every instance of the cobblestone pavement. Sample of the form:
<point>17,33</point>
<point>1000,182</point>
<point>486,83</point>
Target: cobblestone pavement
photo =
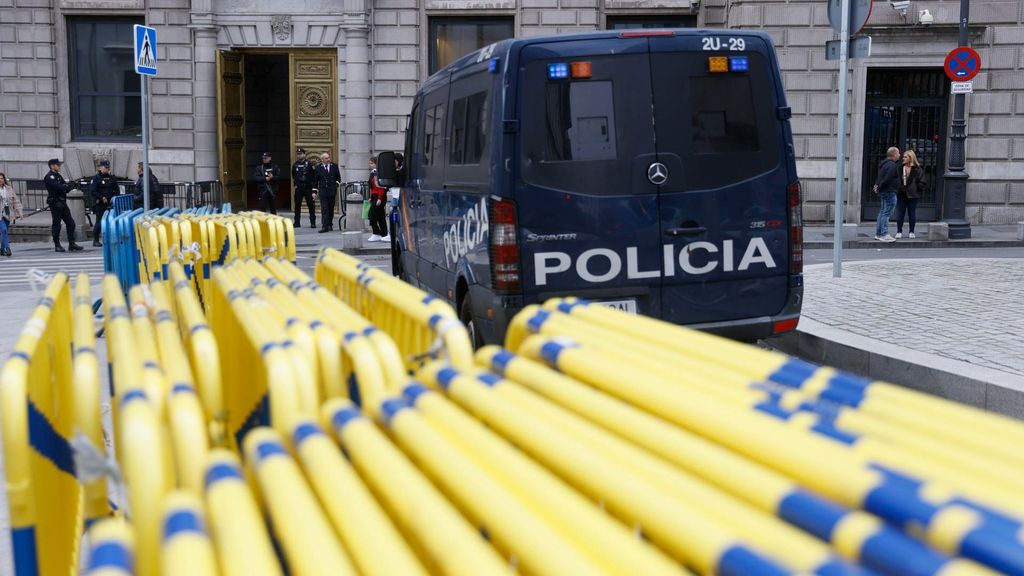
<point>966,309</point>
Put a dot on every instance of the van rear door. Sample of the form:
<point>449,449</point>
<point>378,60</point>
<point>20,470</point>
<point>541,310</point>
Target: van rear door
<point>723,209</point>
<point>587,213</point>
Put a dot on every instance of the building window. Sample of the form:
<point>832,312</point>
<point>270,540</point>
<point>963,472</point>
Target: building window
<point>106,101</point>
<point>666,21</point>
<point>453,37</point>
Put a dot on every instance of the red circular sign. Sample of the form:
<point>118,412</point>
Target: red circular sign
<point>962,64</point>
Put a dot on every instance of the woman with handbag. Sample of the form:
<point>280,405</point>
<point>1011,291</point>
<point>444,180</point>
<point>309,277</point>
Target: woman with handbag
<point>911,186</point>
<point>10,212</point>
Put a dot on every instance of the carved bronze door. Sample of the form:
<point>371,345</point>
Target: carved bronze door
<point>314,102</point>
<point>231,125</point>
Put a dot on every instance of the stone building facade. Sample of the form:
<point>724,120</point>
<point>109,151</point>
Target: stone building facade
<point>340,75</point>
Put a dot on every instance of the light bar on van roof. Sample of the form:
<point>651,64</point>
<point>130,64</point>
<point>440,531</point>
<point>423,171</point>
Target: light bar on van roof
<point>558,71</point>
<point>718,64</point>
<point>739,64</point>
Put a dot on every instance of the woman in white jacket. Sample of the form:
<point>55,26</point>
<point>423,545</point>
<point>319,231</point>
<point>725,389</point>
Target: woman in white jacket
<point>10,212</point>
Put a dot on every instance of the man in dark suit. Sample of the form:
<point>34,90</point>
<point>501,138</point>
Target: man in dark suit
<point>328,178</point>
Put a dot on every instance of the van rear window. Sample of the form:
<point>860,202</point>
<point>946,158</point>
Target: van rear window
<point>581,135</point>
<point>722,108</point>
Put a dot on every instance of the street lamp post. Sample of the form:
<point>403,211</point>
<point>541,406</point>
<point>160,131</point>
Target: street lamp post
<point>954,196</point>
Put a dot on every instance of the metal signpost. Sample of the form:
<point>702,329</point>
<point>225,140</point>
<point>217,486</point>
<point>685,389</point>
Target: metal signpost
<point>844,15</point>
<point>145,66</point>
<point>962,65</point>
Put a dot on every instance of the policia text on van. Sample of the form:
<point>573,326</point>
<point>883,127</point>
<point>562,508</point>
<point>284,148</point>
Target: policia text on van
<point>651,170</point>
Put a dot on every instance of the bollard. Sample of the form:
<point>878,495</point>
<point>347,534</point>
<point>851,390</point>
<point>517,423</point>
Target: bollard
<point>354,213</point>
<point>76,202</point>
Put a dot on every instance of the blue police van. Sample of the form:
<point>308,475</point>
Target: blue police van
<point>651,170</point>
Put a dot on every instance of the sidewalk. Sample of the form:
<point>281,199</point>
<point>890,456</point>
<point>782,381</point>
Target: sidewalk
<point>949,327</point>
<point>818,236</point>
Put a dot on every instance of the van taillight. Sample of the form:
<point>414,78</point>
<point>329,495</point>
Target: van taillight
<point>504,246</point>
<point>796,230</point>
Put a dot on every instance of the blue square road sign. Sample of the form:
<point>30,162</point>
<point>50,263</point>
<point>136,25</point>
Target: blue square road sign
<point>145,50</point>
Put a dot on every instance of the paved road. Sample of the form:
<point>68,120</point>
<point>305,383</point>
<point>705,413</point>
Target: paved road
<point>965,309</point>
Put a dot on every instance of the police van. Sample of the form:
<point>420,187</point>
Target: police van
<point>650,170</point>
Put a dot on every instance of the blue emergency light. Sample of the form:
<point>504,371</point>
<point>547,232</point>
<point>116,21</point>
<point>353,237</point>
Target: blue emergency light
<point>492,66</point>
<point>738,64</point>
<point>559,71</point>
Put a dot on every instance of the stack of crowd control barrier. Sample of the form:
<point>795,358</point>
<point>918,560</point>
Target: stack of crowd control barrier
<point>422,326</point>
<point>138,245</point>
<point>49,393</point>
<point>283,432</point>
<point>865,466</point>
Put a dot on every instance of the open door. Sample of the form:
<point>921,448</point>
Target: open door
<point>314,103</point>
<point>231,125</point>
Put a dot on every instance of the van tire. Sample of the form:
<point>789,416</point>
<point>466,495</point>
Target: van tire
<point>466,316</point>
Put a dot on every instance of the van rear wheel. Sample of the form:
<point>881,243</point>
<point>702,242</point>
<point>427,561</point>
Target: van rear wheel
<point>466,316</point>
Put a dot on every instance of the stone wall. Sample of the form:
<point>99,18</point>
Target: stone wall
<point>995,112</point>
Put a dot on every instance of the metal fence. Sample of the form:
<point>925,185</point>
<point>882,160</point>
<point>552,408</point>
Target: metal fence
<point>181,195</point>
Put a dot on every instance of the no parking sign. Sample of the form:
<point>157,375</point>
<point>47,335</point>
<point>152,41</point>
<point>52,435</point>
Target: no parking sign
<point>962,64</point>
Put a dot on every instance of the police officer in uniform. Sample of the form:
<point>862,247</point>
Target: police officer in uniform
<point>303,176</point>
<point>266,174</point>
<point>328,178</point>
<point>57,199</point>
<point>102,190</point>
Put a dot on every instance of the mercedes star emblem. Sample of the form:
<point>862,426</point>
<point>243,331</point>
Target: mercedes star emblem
<point>657,173</point>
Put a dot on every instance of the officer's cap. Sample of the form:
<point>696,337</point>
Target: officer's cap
<point>267,154</point>
<point>105,163</point>
<point>54,161</point>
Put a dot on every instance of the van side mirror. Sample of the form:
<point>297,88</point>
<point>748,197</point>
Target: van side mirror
<point>387,175</point>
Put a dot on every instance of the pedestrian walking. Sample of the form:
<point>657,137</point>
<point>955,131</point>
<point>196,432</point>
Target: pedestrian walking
<point>887,185</point>
<point>267,173</point>
<point>910,192</point>
<point>156,196</point>
<point>57,189</point>
<point>328,178</point>
<point>304,178</point>
<point>378,206</point>
<point>10,212</point>
<point>102,189</point>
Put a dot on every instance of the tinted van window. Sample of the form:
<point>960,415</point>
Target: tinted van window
<point>469,124</point>
<point>722,126</point>
<point>433,135</point>
<point>582,135</point>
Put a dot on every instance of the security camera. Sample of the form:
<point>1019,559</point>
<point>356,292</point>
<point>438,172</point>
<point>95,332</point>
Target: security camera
<point>925,17</point>
<point>900,5</point>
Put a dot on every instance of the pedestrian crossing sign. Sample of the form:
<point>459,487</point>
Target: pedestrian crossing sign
<point>145,50</point>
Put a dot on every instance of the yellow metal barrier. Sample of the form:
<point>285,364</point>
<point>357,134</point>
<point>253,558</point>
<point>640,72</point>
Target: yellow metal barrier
<point>87,392</point>
<point>201,347</point>
<point>309,543</point>
<point>376,546</point>
<point>242,542</point>
<point>757,484</point>
<point>37,401</point>
<point>423,327</point>
<point>187,548</point>
<point>111,549</point>
<point>609,543</point>
<point>445,541</point>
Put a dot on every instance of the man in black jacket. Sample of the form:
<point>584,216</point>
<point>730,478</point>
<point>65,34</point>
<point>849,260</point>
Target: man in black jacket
<point>156,196</point>
<point>328,178</point>
<point>303,178</point>
<point>57,199</point>
<point>102,190</point>
<point>266,174</point>
<point>887,184</point>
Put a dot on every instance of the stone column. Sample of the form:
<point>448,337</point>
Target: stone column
<point>355,93</point>
<point>207,147</point>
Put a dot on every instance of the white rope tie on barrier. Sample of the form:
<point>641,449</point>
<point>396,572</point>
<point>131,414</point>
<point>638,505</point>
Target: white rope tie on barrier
<point>37,278</point>
<point>91,465</point>
<point>437,348</point>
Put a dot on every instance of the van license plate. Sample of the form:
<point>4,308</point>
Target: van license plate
<point>624,305</point>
